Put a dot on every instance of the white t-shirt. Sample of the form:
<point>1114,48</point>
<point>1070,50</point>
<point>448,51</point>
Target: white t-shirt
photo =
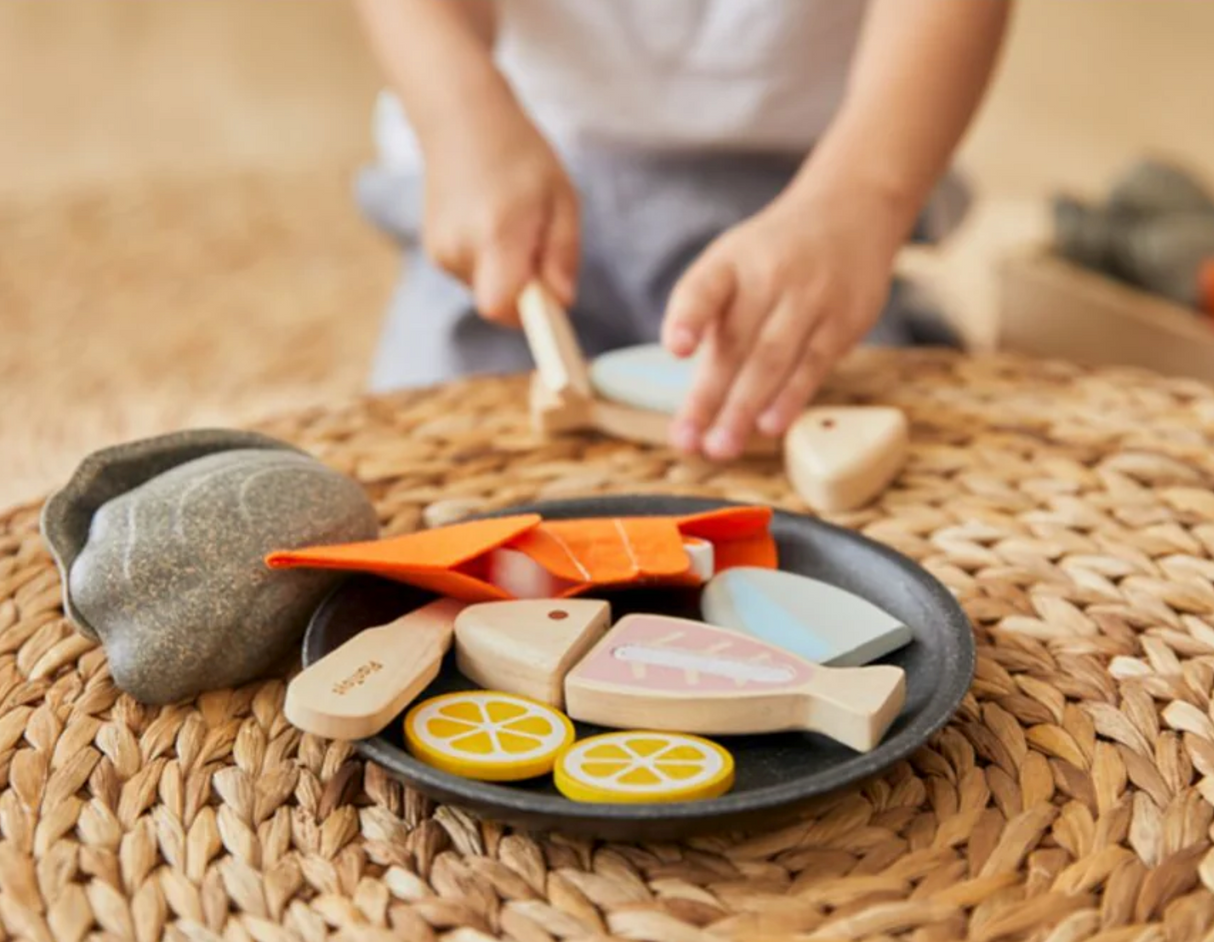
<point>666,74</point>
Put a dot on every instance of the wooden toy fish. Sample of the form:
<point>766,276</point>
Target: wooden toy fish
<point>355,690</point>
<point>580,556</point>
<point>840,458</point>
<point>814,620</point>
<point>527,647</point>
<point>657,672</point>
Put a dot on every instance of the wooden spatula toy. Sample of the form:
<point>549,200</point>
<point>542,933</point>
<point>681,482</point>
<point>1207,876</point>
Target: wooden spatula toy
<point>814,620</point>
<point>663,673</point>
<point>355,690</point>
<point>527,647</point>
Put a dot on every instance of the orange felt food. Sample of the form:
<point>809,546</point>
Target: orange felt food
<point>741,536</point>
<point>608,551</point>
<point>443,560</point>
<point>588,553</point>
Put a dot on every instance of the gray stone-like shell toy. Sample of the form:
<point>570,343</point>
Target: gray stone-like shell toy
<point>161,545</point>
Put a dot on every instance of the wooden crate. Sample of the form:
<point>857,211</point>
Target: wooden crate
<point>1051,308</point>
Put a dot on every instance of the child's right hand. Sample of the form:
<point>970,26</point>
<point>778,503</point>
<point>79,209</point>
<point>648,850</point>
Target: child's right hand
<point>500,210</point>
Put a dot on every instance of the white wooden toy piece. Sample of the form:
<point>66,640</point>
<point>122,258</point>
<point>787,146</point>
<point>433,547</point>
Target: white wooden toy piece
<point>646,377</point>
<point>521,576</point>
<point>524,578</point>
<point>814,620</point>
<point>355,690</point>
<point>657,672</point>
<point>841,457</point>
<point>527,647</point>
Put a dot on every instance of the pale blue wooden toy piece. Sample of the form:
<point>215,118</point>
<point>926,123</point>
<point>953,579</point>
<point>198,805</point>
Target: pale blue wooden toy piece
<point>818,621</point>
<point>644,377</point>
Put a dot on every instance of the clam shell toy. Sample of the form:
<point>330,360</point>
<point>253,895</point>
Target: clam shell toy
<point>160,545</point>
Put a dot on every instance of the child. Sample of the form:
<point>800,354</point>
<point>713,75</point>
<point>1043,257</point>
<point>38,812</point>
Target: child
<point>732,177</point>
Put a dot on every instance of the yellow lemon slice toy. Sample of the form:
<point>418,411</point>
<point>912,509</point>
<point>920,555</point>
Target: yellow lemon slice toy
<point>644,767</point>
<point>488,736</point>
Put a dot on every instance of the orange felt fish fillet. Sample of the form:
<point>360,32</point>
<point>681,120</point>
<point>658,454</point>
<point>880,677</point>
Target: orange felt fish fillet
<point>443,560</point>
<point>588,553</point>
<point>740,536</point>
<point>607,551</point>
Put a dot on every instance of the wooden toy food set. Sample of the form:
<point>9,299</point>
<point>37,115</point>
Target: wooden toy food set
<point>542,645</point>
<point>836,457</point>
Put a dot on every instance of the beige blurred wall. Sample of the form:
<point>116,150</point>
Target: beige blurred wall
<point>90,89</point>
<point>1086,87</point>
<point>99,90</point>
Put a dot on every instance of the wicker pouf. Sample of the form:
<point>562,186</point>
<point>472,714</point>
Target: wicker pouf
<point>1070,798</point>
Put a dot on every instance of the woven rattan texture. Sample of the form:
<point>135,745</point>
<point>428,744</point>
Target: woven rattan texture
<point>1071,513</point>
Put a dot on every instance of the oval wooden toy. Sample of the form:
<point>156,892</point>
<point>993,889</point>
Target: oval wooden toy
<point>646,377</point>
<point>643,767</point>
<point>681,675</point>
<point>487,735</point>
<point>357,689</point>
<point>527,647</point>
<point>812,619</point>
<point>840,458</point>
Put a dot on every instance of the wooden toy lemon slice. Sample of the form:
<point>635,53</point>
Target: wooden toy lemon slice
<point>488,736</point>
<point>644,767</point>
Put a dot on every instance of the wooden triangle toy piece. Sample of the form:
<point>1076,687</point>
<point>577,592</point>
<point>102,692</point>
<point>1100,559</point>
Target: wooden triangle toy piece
<point>563,397</point>
<point>527,647</point>
<point>357,689</point>
<point>839,458</point>
<point>657,672</point>
<point>812,619</point>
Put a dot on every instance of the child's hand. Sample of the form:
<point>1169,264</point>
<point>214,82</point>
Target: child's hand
<point>500,210</point>
<point>772,304</point>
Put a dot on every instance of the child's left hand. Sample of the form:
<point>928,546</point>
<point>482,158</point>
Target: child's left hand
<point>772,305</point>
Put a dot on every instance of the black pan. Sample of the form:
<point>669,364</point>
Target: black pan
<point>776,774</point>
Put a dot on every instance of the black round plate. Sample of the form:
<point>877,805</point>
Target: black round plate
<point>775,773</point>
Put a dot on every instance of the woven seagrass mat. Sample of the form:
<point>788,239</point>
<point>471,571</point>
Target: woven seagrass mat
<point>1071,513</point>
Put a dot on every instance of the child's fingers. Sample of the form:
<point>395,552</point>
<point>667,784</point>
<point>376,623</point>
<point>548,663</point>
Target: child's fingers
<point>723,350</point>
<point>562,251</point>
<point>712,377</point>
<point>817,360</point>
<point>701,297</point>
<point>503,269</point>
<point>769,362</point>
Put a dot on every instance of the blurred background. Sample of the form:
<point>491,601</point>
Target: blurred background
<point>178,245</point>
